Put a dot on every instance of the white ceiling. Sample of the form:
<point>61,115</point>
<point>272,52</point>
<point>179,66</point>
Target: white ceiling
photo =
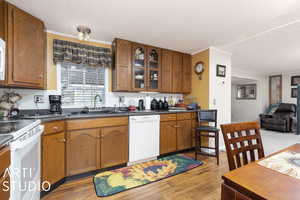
<point>274,52</point>
<point>186,25</point>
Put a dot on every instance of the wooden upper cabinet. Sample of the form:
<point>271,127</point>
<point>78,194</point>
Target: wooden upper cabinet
<point>177,75</point>
<point>166,71</point>
<point>139,67</point>
<point>153,69</point>
<point>2,19</point>
<point>25,49</point>
<point>186,73</point>
<point>83,151</point>
<point>114,146</point>
<point>149,68</point>
<point>53,157</point>
<point>121,65</point>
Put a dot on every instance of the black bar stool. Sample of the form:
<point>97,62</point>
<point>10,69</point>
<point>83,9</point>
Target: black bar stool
<point>205,130</point>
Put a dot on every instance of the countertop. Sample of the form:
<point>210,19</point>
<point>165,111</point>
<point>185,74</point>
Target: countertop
<point>69,116</point>
<point>5,139</point>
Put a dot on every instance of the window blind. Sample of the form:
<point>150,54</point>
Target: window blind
<point>81,83</point>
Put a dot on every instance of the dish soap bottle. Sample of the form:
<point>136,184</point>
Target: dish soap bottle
<point>171,101</point>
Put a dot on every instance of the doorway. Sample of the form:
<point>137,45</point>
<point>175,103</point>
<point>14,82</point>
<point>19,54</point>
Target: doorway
<point>275,89</point>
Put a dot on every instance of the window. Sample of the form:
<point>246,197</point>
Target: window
<point>80,84</point>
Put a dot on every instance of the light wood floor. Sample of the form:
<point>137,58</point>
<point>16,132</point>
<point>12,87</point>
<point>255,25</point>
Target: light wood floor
<point>201,183</point>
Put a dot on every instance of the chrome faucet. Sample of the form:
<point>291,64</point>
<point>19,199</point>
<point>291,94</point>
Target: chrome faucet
<point>100,100</point>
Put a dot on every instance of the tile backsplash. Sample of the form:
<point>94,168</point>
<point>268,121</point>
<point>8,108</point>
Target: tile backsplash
<point>111,98</point>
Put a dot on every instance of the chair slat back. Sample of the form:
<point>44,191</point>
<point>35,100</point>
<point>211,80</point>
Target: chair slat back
<point>243,143</point>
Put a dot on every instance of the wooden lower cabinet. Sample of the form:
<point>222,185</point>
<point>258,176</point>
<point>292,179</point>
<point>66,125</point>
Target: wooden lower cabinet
<point>92,149</point>
<point>184,134</point>
<point>4,177</point>
<point>114,146</point>
<point>168,137</point>
<point>53,157</point>
<point>4,187</point>
<point>83,151</point>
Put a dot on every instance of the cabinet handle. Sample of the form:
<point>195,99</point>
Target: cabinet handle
<point>62,140</point>
<point>176,126</point>
<point>95,137</point>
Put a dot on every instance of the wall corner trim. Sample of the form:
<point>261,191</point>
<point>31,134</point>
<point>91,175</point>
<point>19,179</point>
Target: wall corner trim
<point>72,36</point>
<point>220,50</point>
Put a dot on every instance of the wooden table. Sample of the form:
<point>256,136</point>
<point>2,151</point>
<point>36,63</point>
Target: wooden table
<point>255,182</point>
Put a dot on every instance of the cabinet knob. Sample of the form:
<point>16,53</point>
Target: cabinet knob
<point>62,140</point>
<point>40,76</point>
<point>55,128</point>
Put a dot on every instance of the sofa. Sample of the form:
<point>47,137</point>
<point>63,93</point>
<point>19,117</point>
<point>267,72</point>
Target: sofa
<point>280,118</point>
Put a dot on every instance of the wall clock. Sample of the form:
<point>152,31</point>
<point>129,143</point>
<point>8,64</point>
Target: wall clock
<point>199,68</point>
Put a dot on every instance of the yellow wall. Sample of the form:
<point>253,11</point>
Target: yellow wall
<point>200,88</point>
<point>51,68</point>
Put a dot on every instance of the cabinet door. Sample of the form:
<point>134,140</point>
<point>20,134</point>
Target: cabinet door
<point>122,65</point>
<point>153,69</point>
<point>4,185</point>
<point>139,79</point>
<point>184,134</point>
<point>53,157</point>
<point>177,73</point>
<point>186,73</point>
<point>166,70</point>
<point>83,151</point>
<point>114,146</point>
<point>4,176</point>
<point>26,49</point>
<point>168,137</point>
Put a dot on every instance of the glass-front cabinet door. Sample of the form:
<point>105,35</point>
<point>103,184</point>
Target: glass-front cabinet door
<point>153,68</point>
<point>139,67</point>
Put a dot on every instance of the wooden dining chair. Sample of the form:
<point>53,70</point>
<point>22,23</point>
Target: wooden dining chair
<point>243,143</point>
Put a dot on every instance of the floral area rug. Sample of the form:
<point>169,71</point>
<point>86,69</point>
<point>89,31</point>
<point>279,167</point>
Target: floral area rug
<point>111,182</point>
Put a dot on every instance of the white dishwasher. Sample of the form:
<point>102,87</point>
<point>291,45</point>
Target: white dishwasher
<point>143,138</point>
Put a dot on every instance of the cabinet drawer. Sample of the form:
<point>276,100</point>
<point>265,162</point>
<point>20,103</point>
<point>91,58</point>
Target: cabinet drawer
<point>4,160</point>
<point>96,123</point>
<point>167,117</point>
<point>184,116</point>
<point>54,127</point>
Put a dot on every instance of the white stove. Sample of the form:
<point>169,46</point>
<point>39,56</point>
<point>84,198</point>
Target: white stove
<point>25,157</point>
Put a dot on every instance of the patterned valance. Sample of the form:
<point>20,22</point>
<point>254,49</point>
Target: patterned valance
<point>65,51</point>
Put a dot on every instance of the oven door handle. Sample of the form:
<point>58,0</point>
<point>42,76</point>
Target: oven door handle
<point>15,145</point>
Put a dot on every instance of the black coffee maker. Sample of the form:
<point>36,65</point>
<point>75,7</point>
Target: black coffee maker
<point>55,104</point>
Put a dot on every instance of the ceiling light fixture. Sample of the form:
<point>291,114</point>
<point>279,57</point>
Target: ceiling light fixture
<point>83,33</point>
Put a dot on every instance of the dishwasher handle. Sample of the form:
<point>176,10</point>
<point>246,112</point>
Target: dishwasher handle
<point>150,118</point>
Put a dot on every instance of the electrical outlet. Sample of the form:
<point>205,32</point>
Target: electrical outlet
<point>38,99</point>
